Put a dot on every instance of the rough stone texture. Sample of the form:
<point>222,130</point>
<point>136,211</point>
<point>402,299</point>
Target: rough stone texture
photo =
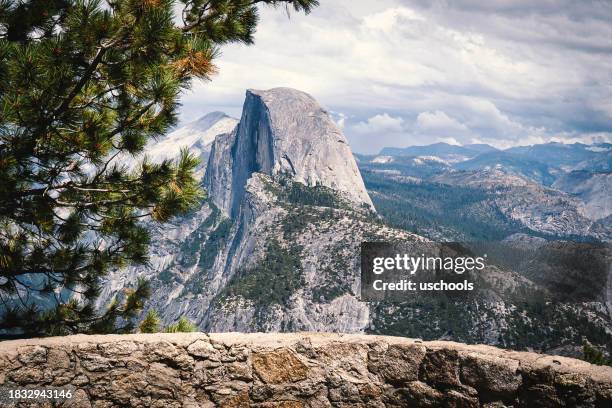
<point>294,370</point>
<point>595,189</point>
<point>280,366</point>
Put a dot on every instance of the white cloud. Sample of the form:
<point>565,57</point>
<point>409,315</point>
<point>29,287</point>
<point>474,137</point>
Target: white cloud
<point>582,138</point>
<point>380,123</point>
<point>387,19</point>
<point>439,121</point>
<point>497,73</point>
<point>339,118</point>
<point>485,114</point>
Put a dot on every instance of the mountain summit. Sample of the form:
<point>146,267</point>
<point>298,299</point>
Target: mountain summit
<point>282,132</point>
<point>276,244</point>
<point>196,136</point>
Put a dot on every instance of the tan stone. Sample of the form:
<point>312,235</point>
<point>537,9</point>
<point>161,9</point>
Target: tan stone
<point>169,354</point>
<point>80,380</point>
<point>124,387</point>
<point>239,371</point>
<point>352,367</point>
<point>165,403</point>
<point>58,359</point>
<point>425,395</point>
<point>160,350</point>
<point>32,354</point>
<point>95,362</point>
<point>102,404</point>
<point>79,399</point>
<point>264,371</point>
<point>441,367</point>
<point>204,349</point>
<point>7,363</point>
<point>492,375</point>
<point>58,378</point>
<point>369,391</point>
<point>163,382</point>
<point>288,404</point>
<point>26,375</point>
<point>454,398</point>
<point>119,348</point>
<point>237,401</point>
<point>398,364</point>
<point>279,366</point>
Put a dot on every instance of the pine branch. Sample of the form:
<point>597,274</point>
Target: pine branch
<point>81,84</point>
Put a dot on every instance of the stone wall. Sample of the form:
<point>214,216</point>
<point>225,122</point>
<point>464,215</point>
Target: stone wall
<point>293,370</point>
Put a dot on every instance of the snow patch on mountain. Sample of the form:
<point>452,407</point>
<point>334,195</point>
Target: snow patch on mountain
<point>420,160</point>
<point>382,159</point>
<point>196,136</point>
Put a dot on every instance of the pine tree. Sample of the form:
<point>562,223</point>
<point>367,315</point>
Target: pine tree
<point>151,323</point>
<point>84,84</point>
<point>182,326</point>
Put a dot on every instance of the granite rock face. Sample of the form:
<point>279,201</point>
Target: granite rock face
<point>276,248</point>
<point>537,207</point>
<point>283,185</point>
<point>285,132</point>
<point>294,370</point>
<point>595,189</point>
<point>319,285</point>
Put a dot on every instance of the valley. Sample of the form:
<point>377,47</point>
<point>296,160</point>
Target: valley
<point>275,245</point>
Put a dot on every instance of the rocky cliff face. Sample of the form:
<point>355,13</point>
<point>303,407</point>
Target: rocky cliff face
<point>236,370</point>
<point>285,132</point>
<point>539,208</point>
<point>276,246</point>
<point>595,189</point>
<point>288,182</point>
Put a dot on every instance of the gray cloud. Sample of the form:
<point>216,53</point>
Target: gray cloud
<point>412,72</point>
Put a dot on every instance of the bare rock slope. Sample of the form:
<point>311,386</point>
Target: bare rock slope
<point>276,245</point>
<point>295,370</point>
<point>595,189</point>
<point>282,131</point>
<point>533,205</point>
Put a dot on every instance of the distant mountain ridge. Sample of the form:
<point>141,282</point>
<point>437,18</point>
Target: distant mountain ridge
<point>558,157</point>
<point>543,163</point>
<point>276,245</point>
<point>594,188</point>
<point>563,155</point>
<point>447,152</point>
<point>511,163</point>
<point>562,190</point>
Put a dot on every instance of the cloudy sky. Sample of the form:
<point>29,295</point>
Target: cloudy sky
<point>399,73</point>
